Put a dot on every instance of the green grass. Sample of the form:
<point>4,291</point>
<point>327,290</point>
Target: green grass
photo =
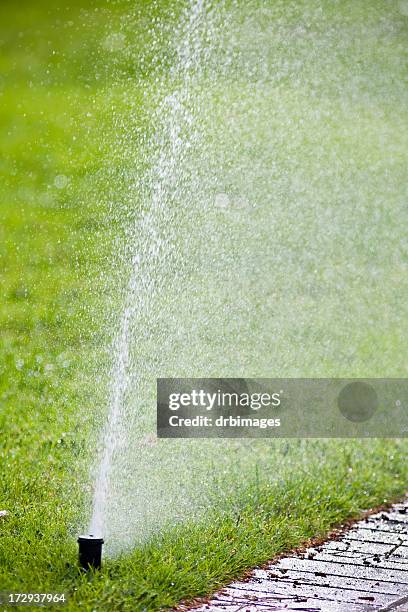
<point>194,559</point>
<point>60,99</point>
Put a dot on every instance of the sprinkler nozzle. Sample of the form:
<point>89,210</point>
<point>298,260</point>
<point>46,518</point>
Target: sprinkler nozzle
<point>90,551</point>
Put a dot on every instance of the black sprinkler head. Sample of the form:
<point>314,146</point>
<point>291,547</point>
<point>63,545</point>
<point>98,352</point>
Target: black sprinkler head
<point>90,551</point>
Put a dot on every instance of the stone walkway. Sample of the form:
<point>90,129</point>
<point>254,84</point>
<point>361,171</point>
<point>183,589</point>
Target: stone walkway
<point>366,569</point>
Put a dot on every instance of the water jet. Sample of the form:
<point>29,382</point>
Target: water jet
<point>90,551</point>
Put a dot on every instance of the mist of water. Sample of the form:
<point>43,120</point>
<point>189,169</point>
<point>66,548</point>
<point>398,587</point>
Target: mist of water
<point>264,235</point>
<point>164,188</point>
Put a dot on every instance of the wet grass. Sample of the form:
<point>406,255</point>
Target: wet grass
<point>60,100</point>
<point>262,520</point>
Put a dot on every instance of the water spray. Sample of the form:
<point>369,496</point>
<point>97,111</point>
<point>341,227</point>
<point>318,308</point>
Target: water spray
<point>90,551</point>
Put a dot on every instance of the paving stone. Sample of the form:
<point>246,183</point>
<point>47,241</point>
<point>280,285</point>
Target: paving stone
<point>373,535</point>
<point>361,559</point>
<point>300,589</point>
<point>366,569</point>
<point>347,567</point>
<point>401,605</point>
<point>348,582</point>
<point>377,548</point>
<point>273,605</point>
<point>387,526</point>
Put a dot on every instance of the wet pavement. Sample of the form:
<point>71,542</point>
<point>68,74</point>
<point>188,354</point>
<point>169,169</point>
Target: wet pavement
<point>365,569</point>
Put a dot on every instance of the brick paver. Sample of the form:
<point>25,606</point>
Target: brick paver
<point>365,570</point>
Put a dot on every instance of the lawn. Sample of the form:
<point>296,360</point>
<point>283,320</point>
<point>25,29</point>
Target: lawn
<point>302,273</point>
